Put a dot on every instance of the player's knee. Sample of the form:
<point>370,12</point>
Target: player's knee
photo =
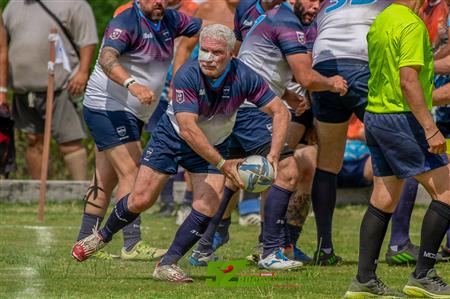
<point>34,140</point>
<point>288,173</point>
<point>139,201</point>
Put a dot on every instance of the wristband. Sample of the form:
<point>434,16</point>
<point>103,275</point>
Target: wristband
<point>220,164</point>
<point>3,89</point>
<point>433,135</point>
<point>128,82</point>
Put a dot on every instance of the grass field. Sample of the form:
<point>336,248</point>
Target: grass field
<point>35,260</point>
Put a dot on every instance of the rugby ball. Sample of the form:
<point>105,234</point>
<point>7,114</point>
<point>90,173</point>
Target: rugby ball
<point>256,173</point>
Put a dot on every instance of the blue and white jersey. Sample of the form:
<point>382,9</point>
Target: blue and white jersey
<point>277,34</point>
<point>342,26</point>
<point>216,102</point>
<point>245,16</point>
<point>146,51</point>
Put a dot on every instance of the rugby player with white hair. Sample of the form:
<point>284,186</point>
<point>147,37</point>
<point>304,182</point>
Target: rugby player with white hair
<point>194,133</point>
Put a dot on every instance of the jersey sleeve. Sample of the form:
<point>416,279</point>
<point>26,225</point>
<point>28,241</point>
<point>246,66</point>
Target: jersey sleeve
<point>291,38</point>
<point>185,96</point>
<point>412,45</point>
<point>258,91</point>
<point>186,25</point>
<point>118,35</point>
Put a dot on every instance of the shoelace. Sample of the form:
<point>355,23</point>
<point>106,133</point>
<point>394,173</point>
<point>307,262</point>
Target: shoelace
<point>381,285</point>
<point>438,280</point>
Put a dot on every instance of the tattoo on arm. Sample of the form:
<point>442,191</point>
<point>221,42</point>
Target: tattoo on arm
<point>109,58</point>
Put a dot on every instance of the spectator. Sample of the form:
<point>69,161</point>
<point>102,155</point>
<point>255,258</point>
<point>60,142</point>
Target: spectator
<point>7,154</point>
<point>28,25</point>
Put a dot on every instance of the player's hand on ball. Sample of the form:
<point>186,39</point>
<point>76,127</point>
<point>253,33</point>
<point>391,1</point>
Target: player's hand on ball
<point>339,85</point>
<point>436,142</point>
<point>273,160</point>
<point>143,93</point>
<point>229,169</point>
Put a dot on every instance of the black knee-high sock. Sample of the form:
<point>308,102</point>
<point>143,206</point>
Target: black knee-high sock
<point>324,201</point>
<point>373,230</point>
<point>434,226</point>
<point>187,235</point>
<point>119,218</point>
<point>206,242</point>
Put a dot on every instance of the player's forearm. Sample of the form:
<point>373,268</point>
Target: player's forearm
<point>109,61</point>
<point>442,66</point>
<point>413,92</point>
<point>441,96</point>
<point>280,124</point>
<point>443,52</point>
<point>313,81</point>
<point>197,140</point>
<point>86,54</point>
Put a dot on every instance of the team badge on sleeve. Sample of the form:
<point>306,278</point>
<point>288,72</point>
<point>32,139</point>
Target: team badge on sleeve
<point>115,34</point>
<point>300,37</point>
<point>180,96</point>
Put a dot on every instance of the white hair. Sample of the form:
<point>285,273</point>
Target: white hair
<point>219,32</point>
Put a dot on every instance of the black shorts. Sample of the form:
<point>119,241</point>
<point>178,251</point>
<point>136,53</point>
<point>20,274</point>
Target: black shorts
<point>263,150</point>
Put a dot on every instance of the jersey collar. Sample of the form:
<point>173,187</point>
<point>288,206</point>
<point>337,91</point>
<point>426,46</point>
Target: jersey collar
<point>259,8</point>
<point>215,84</point>
<point>154,26</point>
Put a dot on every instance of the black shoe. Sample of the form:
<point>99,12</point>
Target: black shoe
<point>407,255</point>
<point>166,210</point>
<point>323,259</point>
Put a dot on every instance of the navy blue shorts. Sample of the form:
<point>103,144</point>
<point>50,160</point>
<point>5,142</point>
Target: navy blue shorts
<point>253,128</point>
<point>352,174</point>
<point>329,107</point>
<point>166,150</point>
<point>398,147</point>
<point>306,119</point>
<point>156,116</point>
<point>112,128</point>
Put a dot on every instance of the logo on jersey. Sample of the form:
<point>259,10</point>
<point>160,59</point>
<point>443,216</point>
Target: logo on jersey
<point>147,35</point>
<point>226,90</point>
<point>122,131</point>
<point>300,37</point>
<point>248,23</point>
<point>180,96</point>
<point>148,153</point>
<point>115,34</point>
<point>202,92</point>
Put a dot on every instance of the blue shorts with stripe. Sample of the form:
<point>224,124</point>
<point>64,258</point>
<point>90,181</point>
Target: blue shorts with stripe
<point>166,150</point>
<point>112,128</point>
<point>398,146</point>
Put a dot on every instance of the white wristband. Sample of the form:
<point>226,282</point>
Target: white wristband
<point>3,89</point>
<point>220,164</point>
<point>128,82</point>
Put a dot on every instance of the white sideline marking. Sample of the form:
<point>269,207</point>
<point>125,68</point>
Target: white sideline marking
<point>30,275</point>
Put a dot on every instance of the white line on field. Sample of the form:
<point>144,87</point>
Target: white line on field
<point>31,276</point>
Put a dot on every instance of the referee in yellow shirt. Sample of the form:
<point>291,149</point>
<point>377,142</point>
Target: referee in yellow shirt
<point>404,142</point>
